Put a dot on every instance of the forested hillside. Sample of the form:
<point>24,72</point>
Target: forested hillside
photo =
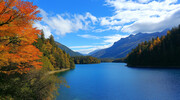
<point>67,50</point>
<point>53,57</point>
<point>86,60</point>
<point>163,51</point>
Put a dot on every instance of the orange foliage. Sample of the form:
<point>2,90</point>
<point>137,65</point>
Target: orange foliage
<point>17,54</point>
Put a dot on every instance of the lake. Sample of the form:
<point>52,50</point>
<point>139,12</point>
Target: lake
<point>115,81</point>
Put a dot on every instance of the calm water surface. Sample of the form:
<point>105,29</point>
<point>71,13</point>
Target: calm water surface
<point>115,81</point>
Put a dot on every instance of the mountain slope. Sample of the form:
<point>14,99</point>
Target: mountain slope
<point>93,52</point>
<point>122,47</point>
<point>67,50</point>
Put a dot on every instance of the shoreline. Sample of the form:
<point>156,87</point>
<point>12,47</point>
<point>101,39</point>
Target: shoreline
<point>158,67</point>
<point>58,71</point>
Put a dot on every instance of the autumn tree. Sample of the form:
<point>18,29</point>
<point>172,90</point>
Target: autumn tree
<point>17,54</point>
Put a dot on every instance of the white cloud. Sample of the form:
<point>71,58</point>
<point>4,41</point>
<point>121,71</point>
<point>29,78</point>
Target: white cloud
<point>115,28</point>
<point>150,26</point>
<point>107,39</point>
<point>84,50</point>
<point>89,36</point>
<point>45,28</point>
<point>93,18</point>
<point>62,24</point>
<point>107,42</point>
<point>109,28</point>
<point>128,15</point>
<point>75,47</point>
<point>133,15</point>
<point>113,38</point>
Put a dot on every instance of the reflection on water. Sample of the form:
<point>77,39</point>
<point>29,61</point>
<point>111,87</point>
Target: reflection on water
<point>115,81</point>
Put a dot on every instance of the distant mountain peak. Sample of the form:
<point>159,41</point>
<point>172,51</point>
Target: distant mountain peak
<point>122,47</point>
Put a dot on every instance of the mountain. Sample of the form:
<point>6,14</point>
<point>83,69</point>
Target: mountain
<point>67,50</point>
<point>93,52</point>
<point>122,47</point>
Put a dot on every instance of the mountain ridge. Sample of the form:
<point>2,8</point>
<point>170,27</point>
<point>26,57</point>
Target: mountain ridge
<point>68,50</point>
<point>122,47</point>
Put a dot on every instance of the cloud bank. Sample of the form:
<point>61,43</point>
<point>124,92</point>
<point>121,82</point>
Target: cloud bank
<point>61,24</point>
<point>143,15</point>
<point>129,16</point>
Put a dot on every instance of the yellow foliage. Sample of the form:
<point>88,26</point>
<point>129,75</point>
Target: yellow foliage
<point>168,32</point>
<point>151,47</point>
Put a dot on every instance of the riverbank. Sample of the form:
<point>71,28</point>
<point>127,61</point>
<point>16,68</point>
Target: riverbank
<point>58,71</point>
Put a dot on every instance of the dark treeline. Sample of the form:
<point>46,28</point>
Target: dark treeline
<point>85,60</point>
<point>113,60</point>
<point>106,60</point>
<point>119,60</point>
<point>53,57</point>
<point>164,51</point>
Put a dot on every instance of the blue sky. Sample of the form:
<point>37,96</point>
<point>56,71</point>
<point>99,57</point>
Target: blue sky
<point>87,25</point>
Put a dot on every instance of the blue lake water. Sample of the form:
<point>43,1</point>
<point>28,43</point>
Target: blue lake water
<point>115,81</point>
